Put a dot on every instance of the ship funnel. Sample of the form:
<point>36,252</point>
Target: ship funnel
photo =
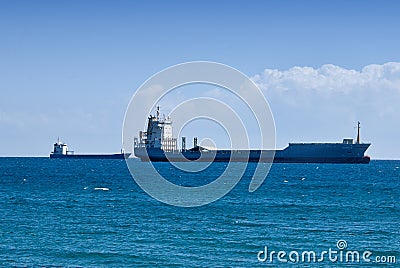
<point>183,143</point>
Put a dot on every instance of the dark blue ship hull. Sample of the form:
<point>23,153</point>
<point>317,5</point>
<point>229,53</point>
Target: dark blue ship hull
<point>294,153</point>
<point>90,156</point>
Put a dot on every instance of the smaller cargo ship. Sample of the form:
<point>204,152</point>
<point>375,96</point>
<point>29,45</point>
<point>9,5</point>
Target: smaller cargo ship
<point>60,150</point>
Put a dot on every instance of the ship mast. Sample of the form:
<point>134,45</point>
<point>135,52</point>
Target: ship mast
<point>358,132</point>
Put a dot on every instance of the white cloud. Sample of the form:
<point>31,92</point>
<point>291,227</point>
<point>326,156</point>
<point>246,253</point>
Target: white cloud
<point>323,104</point>
<point>331,78</point>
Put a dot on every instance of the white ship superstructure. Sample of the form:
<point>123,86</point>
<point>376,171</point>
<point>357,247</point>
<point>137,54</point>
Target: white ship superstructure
<point>159,134</point>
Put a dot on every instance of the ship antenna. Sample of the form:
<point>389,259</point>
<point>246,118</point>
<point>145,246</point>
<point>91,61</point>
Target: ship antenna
<point>158,112</point>
<point>358,132</point>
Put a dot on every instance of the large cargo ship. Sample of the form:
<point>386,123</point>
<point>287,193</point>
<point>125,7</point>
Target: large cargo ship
<point>60,150</point>
<point>158,145</point>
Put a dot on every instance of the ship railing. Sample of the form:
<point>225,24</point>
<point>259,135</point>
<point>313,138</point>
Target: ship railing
<point>139,145</point>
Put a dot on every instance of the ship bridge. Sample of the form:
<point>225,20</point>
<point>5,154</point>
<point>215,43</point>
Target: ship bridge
<point>159,134</point>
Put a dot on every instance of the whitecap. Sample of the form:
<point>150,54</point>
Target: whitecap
<point>102,188</point>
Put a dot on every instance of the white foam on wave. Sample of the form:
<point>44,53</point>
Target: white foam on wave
<point>102,189</point>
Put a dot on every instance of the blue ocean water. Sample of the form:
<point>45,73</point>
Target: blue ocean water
<point>91,213</point>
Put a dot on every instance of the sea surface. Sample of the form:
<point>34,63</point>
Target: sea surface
<point>91,213</point>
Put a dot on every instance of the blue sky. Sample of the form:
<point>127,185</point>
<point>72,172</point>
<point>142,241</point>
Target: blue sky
<point>69,68</point>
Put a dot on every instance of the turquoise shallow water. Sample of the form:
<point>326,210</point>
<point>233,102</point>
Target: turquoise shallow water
<point>53,215</point>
